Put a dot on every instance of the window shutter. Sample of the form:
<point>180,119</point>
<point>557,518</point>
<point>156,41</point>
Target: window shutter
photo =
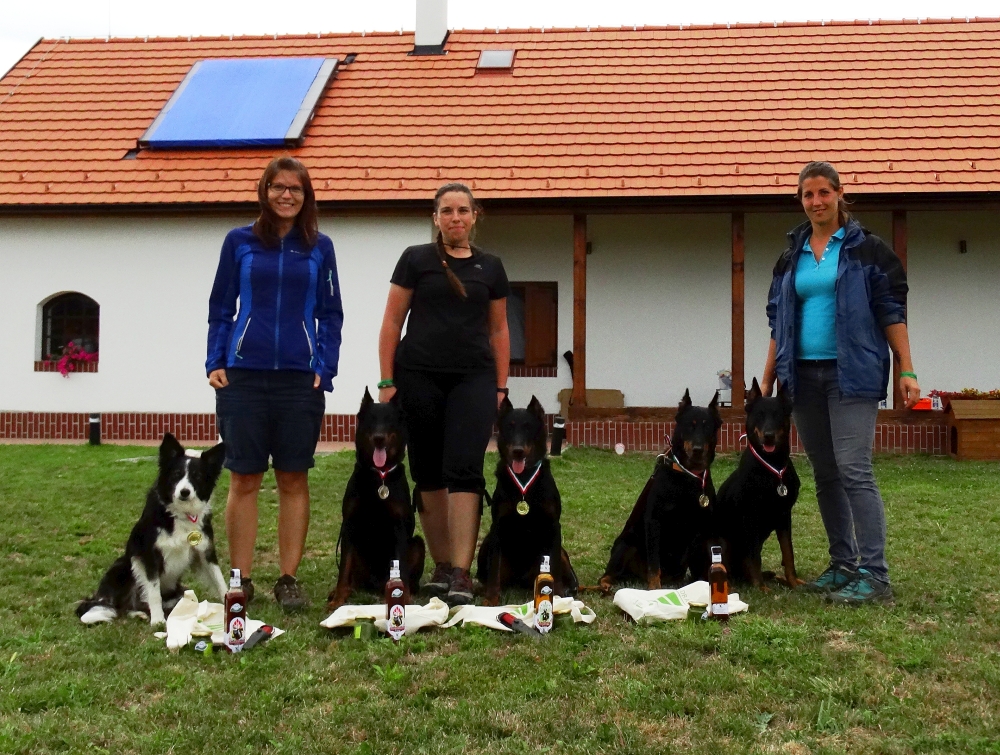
<point>540,325</point>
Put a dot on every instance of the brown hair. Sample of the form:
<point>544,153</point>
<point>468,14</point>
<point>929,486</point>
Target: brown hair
<point>266,225</point>
<point>825,170</point>
<point>477,208</point>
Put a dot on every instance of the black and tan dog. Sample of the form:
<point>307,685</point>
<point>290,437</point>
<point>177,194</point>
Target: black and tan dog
<point>525,508</point>
<point>757,498</point>
<point>378,519</point>
<point>667,532</point>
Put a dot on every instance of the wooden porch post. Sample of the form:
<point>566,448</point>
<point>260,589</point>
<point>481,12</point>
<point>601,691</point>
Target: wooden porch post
<point>738,356</point>
<point>899,247</point>
<point>579,311</point>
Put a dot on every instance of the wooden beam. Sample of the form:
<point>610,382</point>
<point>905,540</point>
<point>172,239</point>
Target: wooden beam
<point>899,247</point>
<point>738,355</point>
<point>579,311</point>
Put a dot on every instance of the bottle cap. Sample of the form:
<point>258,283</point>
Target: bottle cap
<point>234,578</point>
<point>394,570</point>
<point>545,568</point>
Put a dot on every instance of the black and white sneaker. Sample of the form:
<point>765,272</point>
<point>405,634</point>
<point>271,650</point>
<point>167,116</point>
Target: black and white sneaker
<point>440,581</point>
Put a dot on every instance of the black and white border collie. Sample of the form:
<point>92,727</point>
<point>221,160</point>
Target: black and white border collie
<point>173,533</point>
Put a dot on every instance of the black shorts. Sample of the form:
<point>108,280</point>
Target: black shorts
<point>449,420</point>
<point>269,413</point>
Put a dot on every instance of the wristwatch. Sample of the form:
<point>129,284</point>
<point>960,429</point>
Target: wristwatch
<point>504,391</point>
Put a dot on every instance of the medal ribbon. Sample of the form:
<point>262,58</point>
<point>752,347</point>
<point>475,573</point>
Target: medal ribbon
<point>386,473</point>
<point>524,488</point>
<point>779,473</point>
<point>192,519</point>
<point>702,477</point>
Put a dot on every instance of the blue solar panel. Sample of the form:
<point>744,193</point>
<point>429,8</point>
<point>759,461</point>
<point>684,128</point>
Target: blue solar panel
<point>241,102</point>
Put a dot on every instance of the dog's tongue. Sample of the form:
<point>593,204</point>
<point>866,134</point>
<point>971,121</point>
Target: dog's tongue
<point>769,447</point>
<point>378,458</point>
<point>518,466</point>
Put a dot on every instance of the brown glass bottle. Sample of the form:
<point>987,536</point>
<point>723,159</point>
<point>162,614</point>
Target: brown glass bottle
<point>543,597</point>
<point>719,584</point>
<point>235,602</point>
<point>395,603</point>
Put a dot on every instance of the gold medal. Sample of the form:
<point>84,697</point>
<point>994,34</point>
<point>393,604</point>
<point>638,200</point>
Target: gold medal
<point>522,508</point>
<point>383,492</point>
<point>194,538</point>
<point>703,501</point>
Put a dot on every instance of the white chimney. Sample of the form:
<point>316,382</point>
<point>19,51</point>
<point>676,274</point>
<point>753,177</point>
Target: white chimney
<point>432,23</point>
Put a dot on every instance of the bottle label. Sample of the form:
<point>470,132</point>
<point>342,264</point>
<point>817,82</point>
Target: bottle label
<point>236,634</point>
<point>397,593</point>
<point>543,615</point>
<point>236,607</point>
<point>397,621</point>
<point>546,590</point>
<point>720,609</point>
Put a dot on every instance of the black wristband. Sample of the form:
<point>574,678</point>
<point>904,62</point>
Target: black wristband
<point>504,391</point>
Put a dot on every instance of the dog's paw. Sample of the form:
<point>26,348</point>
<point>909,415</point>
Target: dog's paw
<point>605,584</point>
<point>791,582</point>
<point>653,583</point>
<point>157,621</point>
<point>491,600</point>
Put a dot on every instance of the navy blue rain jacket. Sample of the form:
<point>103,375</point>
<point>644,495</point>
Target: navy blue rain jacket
<point>871,295</point>
<point>290,314</point>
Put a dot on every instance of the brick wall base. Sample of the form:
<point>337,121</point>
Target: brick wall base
<point>892,435</point>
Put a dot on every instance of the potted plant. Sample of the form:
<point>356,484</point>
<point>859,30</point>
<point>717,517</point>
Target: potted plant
<point>73,357</point>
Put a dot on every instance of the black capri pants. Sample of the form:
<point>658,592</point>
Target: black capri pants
<point>449,420</point>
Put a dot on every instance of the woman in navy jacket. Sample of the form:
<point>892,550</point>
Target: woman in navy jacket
<point>270,359</point>
<point>837,305</point>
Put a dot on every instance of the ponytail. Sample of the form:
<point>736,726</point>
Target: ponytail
<point>453,279</point>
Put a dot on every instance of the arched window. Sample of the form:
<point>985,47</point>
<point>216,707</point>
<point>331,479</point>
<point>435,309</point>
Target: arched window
<point>70,318</point>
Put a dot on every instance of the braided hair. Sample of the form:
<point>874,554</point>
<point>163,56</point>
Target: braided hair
<point>453,279</point>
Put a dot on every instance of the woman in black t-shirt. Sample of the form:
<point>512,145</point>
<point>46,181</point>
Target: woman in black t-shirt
<point>451,374</point>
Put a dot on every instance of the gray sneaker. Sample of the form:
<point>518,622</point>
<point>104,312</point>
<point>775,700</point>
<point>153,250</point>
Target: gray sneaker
<point>833,579</point>
<point>865,589</point>
<point>461,591</point>
<point>440,581</point>
<point>289,594</point>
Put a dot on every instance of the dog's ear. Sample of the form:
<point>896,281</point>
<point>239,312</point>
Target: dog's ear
<point>686,401</point>
<point>505,408</point>
<point>213,458</point>
<point>713,407</point>
<point>170,449</point>
<point>366,400</point>
<point>753,394</point>
<point>786,400</point>
<point>535,407</point>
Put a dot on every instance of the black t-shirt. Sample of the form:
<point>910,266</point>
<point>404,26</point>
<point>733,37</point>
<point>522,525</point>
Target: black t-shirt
<point>446,333</point>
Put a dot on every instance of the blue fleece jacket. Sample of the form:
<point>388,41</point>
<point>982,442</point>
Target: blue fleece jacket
<point>871,295</point>
<point>289,315</point>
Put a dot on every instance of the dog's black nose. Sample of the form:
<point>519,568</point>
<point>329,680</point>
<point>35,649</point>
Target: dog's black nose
<point>184,494</point>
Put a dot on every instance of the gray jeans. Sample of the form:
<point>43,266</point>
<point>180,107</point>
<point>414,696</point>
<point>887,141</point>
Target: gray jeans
<point>838,434</point>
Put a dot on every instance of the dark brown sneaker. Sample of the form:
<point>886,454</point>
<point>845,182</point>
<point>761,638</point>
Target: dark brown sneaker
<point>289,594</point>
<point>461,591</point>
<point>247,584</point>
<point>440,581</point>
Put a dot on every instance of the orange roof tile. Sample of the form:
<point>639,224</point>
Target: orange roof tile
<point>652,112</point>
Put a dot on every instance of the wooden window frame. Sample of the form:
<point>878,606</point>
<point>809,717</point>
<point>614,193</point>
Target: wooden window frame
<point>541,329</point>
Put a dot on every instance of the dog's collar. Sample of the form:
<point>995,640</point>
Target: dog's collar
<point>193,520</point>
<point>678,467</point>
<point>779,473</point>
<point>386,473</point>
<point>524,488</point>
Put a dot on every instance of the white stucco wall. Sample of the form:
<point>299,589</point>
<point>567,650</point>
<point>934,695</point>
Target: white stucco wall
<point>152,277</point>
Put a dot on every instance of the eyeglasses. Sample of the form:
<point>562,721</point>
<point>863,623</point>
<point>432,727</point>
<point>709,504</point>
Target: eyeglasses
<point>279,189</point>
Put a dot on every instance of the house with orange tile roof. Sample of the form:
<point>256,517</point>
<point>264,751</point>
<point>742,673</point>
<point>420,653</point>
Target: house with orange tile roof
<point>637,182</point>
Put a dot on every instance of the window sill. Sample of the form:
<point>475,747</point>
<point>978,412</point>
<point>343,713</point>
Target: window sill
<point>51,365</point>
<point>519,370</point>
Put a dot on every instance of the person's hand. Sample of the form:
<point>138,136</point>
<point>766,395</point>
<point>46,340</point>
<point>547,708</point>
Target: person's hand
<point>218,379</point>
<point>316,382</point>
<point>500,397</point>
<point>385,394</point>
<point>910,390</point>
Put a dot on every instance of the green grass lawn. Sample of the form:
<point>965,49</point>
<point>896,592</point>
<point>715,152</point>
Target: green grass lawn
<point>791,676</point>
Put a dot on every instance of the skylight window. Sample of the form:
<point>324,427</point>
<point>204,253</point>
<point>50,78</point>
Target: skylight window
<point>241,102</point>
<point>495,60</point>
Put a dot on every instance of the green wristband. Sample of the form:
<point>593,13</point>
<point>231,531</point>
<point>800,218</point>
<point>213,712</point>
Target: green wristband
<point>908,374</point>
<point>387,383</point>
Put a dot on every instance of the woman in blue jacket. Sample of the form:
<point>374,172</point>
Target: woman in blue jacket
<point>837,305</point>
<point>274,321</point>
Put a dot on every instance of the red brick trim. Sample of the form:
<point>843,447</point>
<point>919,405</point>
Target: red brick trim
<point>519,370</point>
<point>52,365</point>
<point>892,434</point>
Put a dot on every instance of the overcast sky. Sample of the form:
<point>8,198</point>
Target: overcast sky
<point>23,22</point>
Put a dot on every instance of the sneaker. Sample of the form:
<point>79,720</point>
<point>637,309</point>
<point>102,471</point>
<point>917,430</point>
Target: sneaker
<point>833,579</point>
<point>248,588</point>
<point>289,594</point>
<point>863,590</point>
<point>460,592</point>
<point>440,581</point>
